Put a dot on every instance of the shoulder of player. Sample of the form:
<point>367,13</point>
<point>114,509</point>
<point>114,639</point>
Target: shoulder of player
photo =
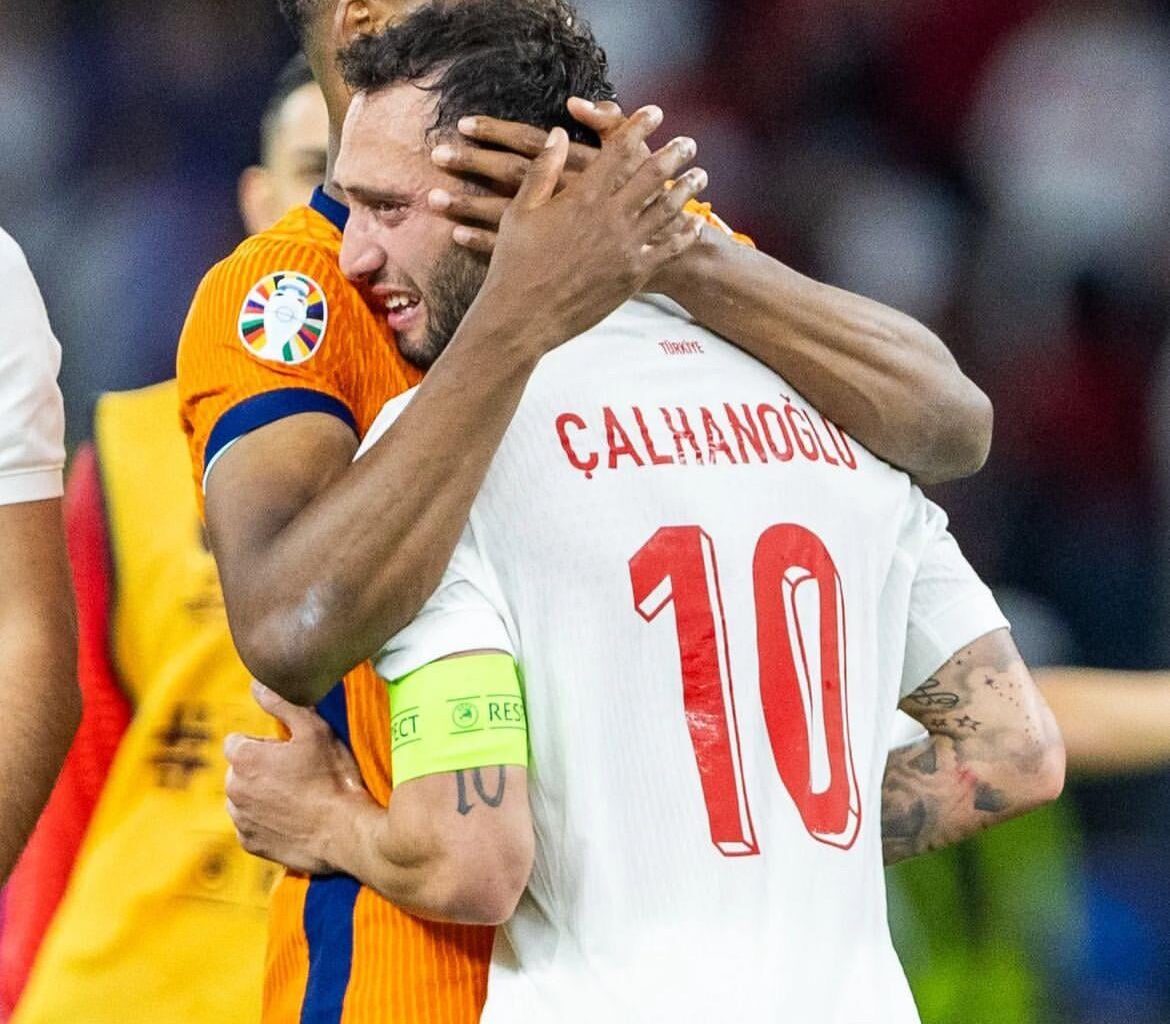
<point>270,253</point>
<point>17,275</point>
<point>11,254</point>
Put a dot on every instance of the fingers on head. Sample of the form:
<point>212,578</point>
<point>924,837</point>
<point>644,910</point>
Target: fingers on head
<point>540,182</point>
<point>648,183</point>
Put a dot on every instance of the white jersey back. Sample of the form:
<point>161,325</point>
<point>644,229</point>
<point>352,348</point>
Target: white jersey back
<point>716,599</point>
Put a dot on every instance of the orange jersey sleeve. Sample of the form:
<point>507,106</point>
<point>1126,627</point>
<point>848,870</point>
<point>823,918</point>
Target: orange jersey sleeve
<point>275,330</point>
<point>705,211</point>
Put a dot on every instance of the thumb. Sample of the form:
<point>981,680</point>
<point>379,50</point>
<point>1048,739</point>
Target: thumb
<point>540,183</point>
<point>292,716</point>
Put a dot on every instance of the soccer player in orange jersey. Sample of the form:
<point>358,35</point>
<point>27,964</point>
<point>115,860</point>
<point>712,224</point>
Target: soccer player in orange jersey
<point>135,825</point>
<point>283,366</point>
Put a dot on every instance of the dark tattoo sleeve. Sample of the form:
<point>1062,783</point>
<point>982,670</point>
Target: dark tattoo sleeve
<point>493,798</point>
<point>990,736</point>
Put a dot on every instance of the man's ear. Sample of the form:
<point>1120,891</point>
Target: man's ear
<point>367,17</point>
<point>381,13</point>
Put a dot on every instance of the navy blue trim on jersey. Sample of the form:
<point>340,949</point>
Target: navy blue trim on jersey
<point>334,708</point>
<point>329,907</point>
<point>269,407</point>
<point>336,213</point>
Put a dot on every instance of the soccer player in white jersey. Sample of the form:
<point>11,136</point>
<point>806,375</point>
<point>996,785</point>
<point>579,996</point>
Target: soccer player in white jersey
<point>39,701</point>
<point>717,601</point>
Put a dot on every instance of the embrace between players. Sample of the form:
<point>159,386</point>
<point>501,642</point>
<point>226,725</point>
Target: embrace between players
<point>641,721</point>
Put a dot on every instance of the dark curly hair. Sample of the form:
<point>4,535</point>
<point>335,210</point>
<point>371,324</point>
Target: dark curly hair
<point>518,60</point>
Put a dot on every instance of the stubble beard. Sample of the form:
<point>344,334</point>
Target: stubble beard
<point>457,280</point>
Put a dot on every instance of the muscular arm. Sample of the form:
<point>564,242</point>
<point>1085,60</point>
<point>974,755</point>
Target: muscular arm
<point>993,752</point>
<point>322,560</point>
<point>882,376</point>
<point>39,701</point>
<point>1113,722</point>
<point>455,847</point>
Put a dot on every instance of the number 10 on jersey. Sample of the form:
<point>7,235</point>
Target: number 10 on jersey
<point>802,677</point>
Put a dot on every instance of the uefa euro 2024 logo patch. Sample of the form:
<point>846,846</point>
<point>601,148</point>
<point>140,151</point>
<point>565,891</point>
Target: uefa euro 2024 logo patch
<point>284,318</point>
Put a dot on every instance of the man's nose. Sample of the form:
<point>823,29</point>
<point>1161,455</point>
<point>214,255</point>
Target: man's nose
<point>361,256</point>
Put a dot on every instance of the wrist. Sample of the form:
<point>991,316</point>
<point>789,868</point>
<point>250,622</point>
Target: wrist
<point>347,831</point>
<point>685,277</point>
<point>519,331</point>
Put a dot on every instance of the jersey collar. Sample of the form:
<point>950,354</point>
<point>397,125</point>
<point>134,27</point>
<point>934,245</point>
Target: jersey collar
<point>329,208</point>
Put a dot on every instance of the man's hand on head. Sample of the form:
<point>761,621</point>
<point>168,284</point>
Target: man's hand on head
<point>565,259</point>
<point>499,153</point>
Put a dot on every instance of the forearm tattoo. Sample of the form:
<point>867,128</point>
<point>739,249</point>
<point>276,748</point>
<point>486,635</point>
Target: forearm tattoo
<point>491,798</point>
<point>988,733</point>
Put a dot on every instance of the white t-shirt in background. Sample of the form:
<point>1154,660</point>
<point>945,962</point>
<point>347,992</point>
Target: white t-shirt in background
<point>717,600</point>
<point>32,414</point>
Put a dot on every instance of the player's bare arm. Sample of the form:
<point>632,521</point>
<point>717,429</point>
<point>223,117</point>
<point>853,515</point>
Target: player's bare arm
<point>305,605</point>
<point>455,846</point>
<point>40,704</point>
<point>1113,722</point>
<point>884,377</point>
<point>993,752</point>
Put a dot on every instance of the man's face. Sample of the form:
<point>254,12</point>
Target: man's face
<point>394,243</point>
<point>294,160</point>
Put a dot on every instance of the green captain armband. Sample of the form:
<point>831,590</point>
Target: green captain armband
<point>456,715</point>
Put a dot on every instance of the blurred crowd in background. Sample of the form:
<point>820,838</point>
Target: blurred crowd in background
<point>999,169</point>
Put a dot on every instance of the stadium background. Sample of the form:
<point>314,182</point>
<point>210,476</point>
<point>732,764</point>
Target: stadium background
<point>999,169</point>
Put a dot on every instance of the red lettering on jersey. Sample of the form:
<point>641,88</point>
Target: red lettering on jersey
<point>716,442</point>
<point>768,432</point>
<point>749,432</point>
<point>586,466</point>
<point>762,411</point>
<point>613,431</point>
<point>681,348</point>
<point>805,438</point>
<point>820,442</point>
<point>841,442</point>
<point>685,433</point>
<point>655,458</point>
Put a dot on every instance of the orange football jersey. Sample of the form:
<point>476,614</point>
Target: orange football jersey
<point>276,330</point>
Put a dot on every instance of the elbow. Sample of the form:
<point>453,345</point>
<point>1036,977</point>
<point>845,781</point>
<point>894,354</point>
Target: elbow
<point>489,906</point>
<point>1045,783</point>
<point>961,440</point>
<point>1050,785</point>
<point>485,890</point>
<point>977,424</point>
<point>282,657</point>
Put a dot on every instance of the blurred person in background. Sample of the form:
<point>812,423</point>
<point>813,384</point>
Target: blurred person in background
<point>133,901</point>
<point>39,702</point>
<point>283,366</point>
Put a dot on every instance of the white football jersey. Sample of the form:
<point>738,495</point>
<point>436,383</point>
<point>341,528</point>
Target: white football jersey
<point>32,415</point>
<point>716,599</point>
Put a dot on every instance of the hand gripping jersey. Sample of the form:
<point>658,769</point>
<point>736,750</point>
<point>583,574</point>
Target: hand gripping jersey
<point>164,917</point>
<point>276,330</point>
<point>717,600</point>
<point>32,415</point>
